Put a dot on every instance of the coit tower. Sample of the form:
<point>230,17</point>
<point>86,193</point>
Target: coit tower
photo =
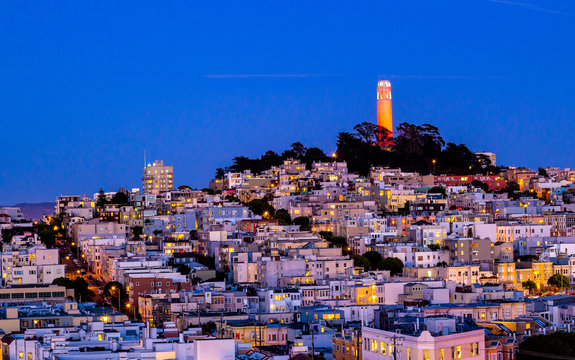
<point>384,115</point>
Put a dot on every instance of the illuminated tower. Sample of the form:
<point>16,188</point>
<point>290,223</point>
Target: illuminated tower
<point>384,116</point>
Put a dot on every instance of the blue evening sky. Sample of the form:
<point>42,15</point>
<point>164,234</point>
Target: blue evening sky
<point>87,87</point>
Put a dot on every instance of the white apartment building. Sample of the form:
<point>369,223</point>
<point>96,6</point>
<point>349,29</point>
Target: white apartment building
<point>439,341</point>
<point>511,232</point>
<point>280,300</point>
<point>30,265</point>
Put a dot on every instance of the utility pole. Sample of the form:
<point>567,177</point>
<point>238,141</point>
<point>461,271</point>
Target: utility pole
<point>199,315</point>
<point>357,337</point>
<point>312,343</point>
<point>260,325</point>
<point>395,339</point>
<point>255,333</point>
<point>183,312</point>
<point>222,325</point>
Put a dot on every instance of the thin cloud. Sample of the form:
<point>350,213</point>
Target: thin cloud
<point>530,6</point>
<point>268,76</point>
<point>437,77</point>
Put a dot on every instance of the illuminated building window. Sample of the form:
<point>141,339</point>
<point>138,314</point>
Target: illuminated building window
<point>374,345</point>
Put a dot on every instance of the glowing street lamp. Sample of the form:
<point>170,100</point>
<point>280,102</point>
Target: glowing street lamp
<point>113,288</point>
<point>128,306</point>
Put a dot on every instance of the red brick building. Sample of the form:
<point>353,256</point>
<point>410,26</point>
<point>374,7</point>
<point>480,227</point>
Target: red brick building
<point>143,284</point>
<point>494,182</point>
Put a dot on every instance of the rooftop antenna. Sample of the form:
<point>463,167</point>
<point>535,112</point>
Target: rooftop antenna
<point>145,163</point>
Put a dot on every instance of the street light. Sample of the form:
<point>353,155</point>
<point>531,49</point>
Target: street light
<point>113,288</point>
<point>433,161</point>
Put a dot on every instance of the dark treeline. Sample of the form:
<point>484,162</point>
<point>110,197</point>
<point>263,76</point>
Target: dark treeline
<point>271,158</point>
<point>417,148</point>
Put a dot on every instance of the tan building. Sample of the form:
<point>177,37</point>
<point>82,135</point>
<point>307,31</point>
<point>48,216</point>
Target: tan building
<point>345,346</point>
<point>514,274</point>
<point>258,334</point>
<point>35,293</point>
<point>158,178</point>
<point>462,275</point>
<point>479,312</point>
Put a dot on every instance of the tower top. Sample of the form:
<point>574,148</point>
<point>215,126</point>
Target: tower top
<point>383,90</point>
<point>383,83</point>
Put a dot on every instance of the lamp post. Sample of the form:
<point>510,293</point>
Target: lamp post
<point>113,288</point>
<point>433,161</point>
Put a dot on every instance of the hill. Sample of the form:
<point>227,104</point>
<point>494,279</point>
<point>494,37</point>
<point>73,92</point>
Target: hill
<point>35,211</point>
<point>417,148</point>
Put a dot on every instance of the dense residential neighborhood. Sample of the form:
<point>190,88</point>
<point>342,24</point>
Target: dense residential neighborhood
<point>287,180</point>
<point>298,261</point>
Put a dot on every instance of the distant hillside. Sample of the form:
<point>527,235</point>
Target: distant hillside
<point>37,210</point>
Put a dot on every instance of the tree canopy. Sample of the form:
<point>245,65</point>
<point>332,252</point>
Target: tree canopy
<point>438,190</point>
<point>303,222</point>
<point>262,207</point>
<point>120,198</point>
<point>183,269</point>
<point>101,199</point>
<point>529,285</point>
<point>419,148</point>
<point>113,289</point>
<point>283,216</point>
<point>560,281</point>
<point>394,265</point>
<point>80,286</point>
<point>545,346</point>
<point>361,261</point>
<point>374,258</point>
<point>271,158</point>
<point>46,233</point>
<point>480,185</point>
